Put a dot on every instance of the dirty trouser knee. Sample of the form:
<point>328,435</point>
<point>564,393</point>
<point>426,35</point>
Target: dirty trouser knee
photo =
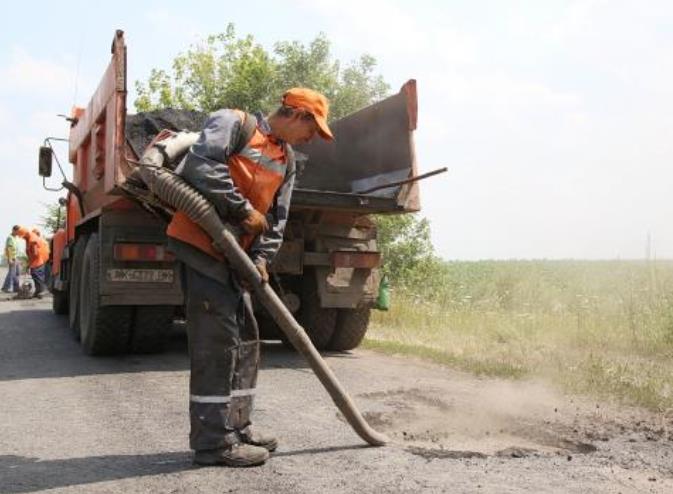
<point>224,354</point>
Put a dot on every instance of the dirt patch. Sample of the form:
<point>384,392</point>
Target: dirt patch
<point>418,395</point>
<point>515,452</point>
<point>432,454</point>
<point>508,421</point>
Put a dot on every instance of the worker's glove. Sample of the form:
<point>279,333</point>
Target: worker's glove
<point>255,223</point>
<point>260,264</point>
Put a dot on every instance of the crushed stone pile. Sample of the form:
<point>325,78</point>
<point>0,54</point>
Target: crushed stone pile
<point>142,127</point>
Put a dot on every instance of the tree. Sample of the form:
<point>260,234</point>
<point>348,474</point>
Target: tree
<point>226,71</point>
<point>408,255</point>
<point>53,217</point>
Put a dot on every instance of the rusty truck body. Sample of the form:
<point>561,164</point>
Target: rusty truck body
<point>121,288</point>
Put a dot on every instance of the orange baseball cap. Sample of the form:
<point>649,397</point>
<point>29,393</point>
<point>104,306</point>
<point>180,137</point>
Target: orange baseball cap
<point>314,103</point>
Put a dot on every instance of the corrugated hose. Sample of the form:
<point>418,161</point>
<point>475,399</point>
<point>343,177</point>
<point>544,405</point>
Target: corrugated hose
<point>178,194</point>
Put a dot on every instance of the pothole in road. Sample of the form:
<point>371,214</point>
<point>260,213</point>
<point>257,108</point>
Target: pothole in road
<point>431,454</point>
<point>430,425</point>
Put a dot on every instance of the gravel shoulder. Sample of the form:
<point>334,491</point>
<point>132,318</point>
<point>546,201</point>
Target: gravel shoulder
<point>72,423</point>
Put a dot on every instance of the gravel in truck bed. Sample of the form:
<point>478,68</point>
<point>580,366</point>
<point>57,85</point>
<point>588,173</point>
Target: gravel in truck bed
<point>142,127</point>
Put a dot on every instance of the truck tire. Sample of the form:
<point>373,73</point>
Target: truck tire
<point>73,284</point>
<point>351,327</point>
<point>318,322</point>
<point>59,302</point>
<point>103,330</point>
<point>152,326</point>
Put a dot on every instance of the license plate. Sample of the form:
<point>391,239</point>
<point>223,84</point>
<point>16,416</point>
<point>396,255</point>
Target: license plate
<point>141,275</point>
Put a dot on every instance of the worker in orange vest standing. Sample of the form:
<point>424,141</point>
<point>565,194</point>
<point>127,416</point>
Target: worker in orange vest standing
<point>37,250</point>
<point>245,166</point>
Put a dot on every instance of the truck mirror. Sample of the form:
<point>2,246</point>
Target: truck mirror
<point>45,161</point>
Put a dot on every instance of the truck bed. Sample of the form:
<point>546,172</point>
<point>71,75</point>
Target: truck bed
<point>343,201</point>
<point>372,147</point>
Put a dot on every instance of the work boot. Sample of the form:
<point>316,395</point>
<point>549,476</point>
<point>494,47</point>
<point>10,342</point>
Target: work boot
<point>251,436</point>
<point>238,455</point>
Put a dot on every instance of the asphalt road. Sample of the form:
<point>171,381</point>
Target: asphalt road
<point>72,423</point>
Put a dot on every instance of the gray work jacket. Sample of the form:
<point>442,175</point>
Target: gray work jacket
<point>205,168</point>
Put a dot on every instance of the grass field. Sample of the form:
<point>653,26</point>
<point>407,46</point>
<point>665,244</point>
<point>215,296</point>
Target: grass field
<point>599,327</point>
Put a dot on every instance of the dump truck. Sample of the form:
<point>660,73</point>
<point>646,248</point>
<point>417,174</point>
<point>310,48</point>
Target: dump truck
<point>119,285</point>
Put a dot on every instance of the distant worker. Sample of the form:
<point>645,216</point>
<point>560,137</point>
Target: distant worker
<point>37,250</point>
<point>44,246</point>
<point>244,165</point>
<point>11,284</point>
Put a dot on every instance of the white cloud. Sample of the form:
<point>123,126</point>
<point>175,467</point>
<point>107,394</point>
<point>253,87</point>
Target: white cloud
<point>21,185</point>
<point>578,19</point>
<point>383,28</point>
<point>5,118</point>
<point>48,124</point>
<point>497,89</point>
<point>28,74</point>
<point>165,22</point>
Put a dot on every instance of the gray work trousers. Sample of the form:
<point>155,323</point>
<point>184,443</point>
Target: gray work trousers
<point>224,354</point>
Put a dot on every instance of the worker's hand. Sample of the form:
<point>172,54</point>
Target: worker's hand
<point>260,264</point>
<point>255,223</point>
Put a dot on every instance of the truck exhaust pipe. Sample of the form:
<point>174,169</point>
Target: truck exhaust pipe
<point>179,195</point>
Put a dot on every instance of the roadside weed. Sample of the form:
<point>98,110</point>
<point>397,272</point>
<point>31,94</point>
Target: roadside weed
<point>598,327</point>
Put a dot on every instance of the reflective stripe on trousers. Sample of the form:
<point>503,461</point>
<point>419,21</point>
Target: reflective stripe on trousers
<point>222,399</point>
<point>224,358</point>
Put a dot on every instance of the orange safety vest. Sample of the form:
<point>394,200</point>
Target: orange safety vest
<point>258,171</point>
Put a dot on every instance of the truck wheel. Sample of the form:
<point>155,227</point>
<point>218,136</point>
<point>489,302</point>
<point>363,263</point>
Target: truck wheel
<point>103,330</point>
<point>318,322</point>
<point>350,328</point>
<point>59,302</point>
<point>73,284</point>
<point>151,328</point>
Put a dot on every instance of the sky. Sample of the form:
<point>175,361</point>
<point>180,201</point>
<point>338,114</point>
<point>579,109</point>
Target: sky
<point>554,118</point>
